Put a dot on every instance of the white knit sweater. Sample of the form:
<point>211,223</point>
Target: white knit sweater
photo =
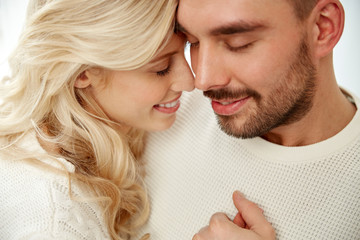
<point>35,203</point>
<point>310,192</point>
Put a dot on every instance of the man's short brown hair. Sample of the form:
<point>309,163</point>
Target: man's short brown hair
<point>303,8</point>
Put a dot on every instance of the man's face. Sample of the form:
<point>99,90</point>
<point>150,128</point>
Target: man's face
<point>252,59</point>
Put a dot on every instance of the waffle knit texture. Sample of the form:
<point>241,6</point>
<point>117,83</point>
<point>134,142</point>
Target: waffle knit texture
<point>309,192</point>
<point>35,202</point>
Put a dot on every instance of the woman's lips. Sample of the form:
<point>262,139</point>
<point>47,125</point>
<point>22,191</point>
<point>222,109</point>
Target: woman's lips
<point>169,107</point>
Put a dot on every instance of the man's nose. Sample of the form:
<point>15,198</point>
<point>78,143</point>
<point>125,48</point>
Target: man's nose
<point>209,69</point>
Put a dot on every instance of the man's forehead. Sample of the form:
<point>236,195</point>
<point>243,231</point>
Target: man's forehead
<point>216,17</point>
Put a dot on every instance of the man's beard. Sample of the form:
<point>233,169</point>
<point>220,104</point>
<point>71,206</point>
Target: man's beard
<point>289,101</point>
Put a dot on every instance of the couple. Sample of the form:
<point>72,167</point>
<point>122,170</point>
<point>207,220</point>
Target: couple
<point>90,77</point>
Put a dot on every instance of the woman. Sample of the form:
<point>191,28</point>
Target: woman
<point>89,77</point>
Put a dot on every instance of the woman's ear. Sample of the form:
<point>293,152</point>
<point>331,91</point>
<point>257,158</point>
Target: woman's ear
<point>328,27</point>
<point>83,80</point>
<point>89,77</point>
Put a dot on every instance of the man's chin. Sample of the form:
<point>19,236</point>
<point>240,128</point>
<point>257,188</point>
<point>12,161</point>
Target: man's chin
<point>239,128</point>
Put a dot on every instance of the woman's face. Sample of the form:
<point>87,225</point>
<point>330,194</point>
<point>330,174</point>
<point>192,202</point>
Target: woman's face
<point>146,98</point>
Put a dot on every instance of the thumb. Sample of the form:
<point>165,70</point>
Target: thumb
<point>253,217</point>
<point>251,214</point>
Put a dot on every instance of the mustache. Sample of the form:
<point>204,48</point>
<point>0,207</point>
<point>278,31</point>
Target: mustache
<point>231,94</point>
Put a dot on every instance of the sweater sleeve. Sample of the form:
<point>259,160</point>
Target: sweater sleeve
<point>35,204</point>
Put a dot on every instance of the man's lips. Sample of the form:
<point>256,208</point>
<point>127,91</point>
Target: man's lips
<point>228,107</point>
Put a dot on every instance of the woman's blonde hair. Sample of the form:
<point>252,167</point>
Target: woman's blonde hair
<point>61,39</point>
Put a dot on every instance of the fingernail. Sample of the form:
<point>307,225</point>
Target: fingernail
<point>239,194</point>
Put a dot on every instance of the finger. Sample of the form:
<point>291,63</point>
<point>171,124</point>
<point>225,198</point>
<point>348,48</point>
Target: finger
<point>203,234</point>
<point>198,236</point>
<point>239,221</point>
<point>218,217</point>
<point>217,223</point>
<point>220,228</point>
<point>250,212</point>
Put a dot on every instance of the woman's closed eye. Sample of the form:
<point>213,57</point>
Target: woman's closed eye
<point>164,68</point>
<point>164,72</point>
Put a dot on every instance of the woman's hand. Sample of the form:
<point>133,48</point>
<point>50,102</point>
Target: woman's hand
<point>248,224</point>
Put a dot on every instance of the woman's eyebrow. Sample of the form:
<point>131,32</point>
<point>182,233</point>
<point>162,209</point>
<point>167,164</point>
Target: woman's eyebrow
<point>180,28</point>
<point>161,57</point>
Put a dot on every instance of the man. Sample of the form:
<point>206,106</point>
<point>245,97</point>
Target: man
<point>290,138</point>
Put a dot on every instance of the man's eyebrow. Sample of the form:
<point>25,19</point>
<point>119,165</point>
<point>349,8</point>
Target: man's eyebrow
<point>236,27</point>
<point>230,28</point>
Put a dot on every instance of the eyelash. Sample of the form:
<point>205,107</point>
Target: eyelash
<point>237,49</point>
<point>195,44</point>
<point>232,49</point>
<point>164,72</point>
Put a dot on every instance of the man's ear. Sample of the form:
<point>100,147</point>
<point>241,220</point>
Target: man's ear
<point>329,21</point>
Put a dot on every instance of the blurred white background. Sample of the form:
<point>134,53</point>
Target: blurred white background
<point>346,53</point>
